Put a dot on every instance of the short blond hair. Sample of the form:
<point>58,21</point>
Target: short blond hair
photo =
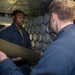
<point>65,9</point>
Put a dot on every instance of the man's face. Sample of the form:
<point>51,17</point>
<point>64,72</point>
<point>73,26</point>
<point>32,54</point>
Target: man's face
<point>19,19</point>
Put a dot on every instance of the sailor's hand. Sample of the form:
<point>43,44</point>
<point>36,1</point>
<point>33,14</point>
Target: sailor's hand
<point>16,59</point>
<point>3,56</point>
<point>40,53</point>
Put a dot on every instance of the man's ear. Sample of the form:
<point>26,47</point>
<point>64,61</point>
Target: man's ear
<point>55,16</point>
<point>13,17</point>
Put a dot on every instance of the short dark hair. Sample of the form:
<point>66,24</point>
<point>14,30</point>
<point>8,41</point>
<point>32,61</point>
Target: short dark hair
<point>16,12</point>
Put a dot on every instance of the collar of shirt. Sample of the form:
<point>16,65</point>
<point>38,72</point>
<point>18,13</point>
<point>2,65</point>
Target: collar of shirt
<point>67,28</point>
<point>14,27</point>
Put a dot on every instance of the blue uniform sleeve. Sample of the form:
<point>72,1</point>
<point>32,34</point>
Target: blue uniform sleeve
<point>54,62</point>
<point>28,42</point>
<point>5,35</point>
<point>7,67</point>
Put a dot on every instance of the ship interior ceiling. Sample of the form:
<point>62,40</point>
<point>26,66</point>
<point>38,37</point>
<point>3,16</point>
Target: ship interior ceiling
<point>29,7</point>
<point>36,20</point>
